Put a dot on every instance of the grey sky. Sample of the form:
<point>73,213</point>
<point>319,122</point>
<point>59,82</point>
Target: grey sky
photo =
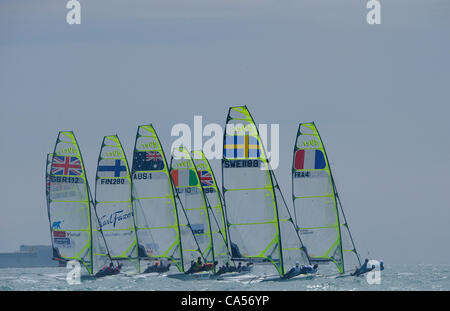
<point>378,94</point>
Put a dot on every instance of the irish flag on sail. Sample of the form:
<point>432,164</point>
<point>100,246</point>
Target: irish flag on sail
<point>184,178</point>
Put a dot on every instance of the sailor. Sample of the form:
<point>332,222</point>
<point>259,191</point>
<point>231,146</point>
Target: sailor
<point>381,265</point>
<point>152,268</point>
<point>195,266</point>
<point>232,268</point>
<point>294,271</point>
<point>239,267</point>
<point>221,270</point>
<point>309,269</point>
<point>106,270</point>
<point>198,265</point>
<point>208,266</point>
<point>363,269</point>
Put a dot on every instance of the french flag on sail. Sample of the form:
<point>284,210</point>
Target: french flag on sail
<point>310,159</point>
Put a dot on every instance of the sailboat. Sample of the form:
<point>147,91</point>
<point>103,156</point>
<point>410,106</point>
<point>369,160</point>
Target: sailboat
<point>113,202</point>
<point>259,223</point>
<point>73,223</point>
<point>192,198</point>
<point>163,230</point>
<point>317,207</point>
<point>213,198</point>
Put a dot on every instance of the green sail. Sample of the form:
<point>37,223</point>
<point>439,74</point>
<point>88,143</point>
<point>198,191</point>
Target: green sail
<point>322,224</point>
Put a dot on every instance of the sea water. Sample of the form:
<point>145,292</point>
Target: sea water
<point>393,277</point>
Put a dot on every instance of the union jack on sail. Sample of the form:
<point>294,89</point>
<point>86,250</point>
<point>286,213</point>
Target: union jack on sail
<point>205,178</point>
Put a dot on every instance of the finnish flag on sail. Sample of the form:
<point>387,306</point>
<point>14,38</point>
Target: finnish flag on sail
<point>112,168</point>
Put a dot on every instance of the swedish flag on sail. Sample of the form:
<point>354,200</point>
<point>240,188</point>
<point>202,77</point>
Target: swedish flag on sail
<point>241,147</point>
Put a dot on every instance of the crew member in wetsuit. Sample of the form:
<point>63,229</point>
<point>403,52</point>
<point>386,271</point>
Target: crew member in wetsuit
<point>152,268</point>
<point>309,269</point>
<point>363,269</point>
<point>294,271</point>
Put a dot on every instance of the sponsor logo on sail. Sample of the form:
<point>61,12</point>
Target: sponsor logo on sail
<point>114,218</point>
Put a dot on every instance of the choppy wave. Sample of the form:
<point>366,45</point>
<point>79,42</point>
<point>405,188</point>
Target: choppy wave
<point>394,277</point>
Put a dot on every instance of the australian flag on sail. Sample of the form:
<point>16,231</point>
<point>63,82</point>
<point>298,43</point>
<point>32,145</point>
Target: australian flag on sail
<point>66,166</point>
<point>240,146</point>
<point>148,161</point>
<point>112,168</point>
<point>205,178</point>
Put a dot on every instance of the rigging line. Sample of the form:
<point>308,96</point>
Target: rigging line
<point>208,205</point>
<point>138,202</point>
<point>189,225</point>
<point>290,216</point>
<point>98,223</point>
<point>95,205</point>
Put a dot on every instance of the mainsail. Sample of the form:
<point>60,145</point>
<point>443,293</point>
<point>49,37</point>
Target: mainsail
<point>72,218</point>
<point>196,218</point>
<point>259,223</point>
<point>322,224</point>
<point>113,201</point>
<point>215,207</point>
<point>154,201</point>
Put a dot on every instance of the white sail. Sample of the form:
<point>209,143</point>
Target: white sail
<point>113,201</point>
<point>154,201</point>
<point>72,218</point>
<point>215,207</point>
<point>195,224</point>
<point>258,223</point>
